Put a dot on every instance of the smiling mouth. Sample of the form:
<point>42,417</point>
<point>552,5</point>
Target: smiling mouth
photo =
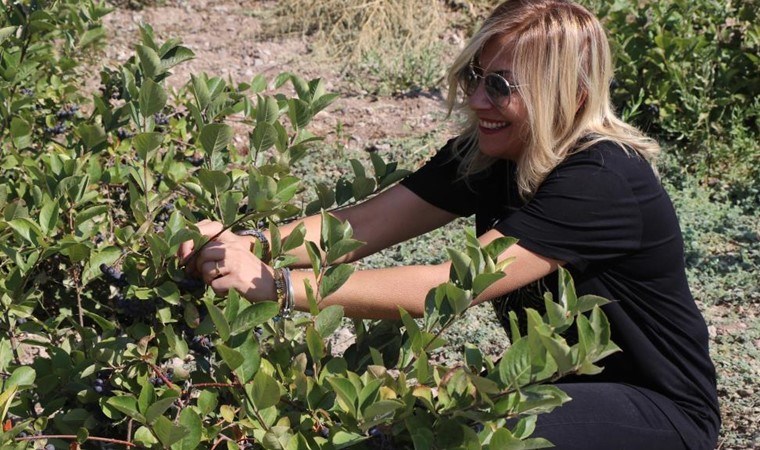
<point>489,125</point>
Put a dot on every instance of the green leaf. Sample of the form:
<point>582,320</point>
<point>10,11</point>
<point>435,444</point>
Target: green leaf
<point>214,181</point>
<point>175,56</point>
<point>334,278</point>
<point>254,315</point>
<point>82,435</point>
<point>215,137</point>
<point>346,392</point>
<point>251,360</point>
<point>315,343</point>
<point>299,113</point>
<point>150,62</point>
<point>22,377</point>
<point>158,408</point>
<point>7,31</point>
<point>328,320</point>
<point>502,439</point>
<point>567,296</point>
<point>515,365</point>
<point>152,98</point>
<point>90,36</point>
<point>167,432</point>
<point>146,398</point>
<point>267,110</point>
<point>21,132</point>
<point>461,268</point>
<point>49,216</point>
<point>200,89</point>
<point>92,135</point>
<point>144,437</point>
<point>263,137</point>
<point>484,280</point>
<point>264,391</point>
<point>588,302</point>
<point>126,404</point>
<point>217,316</point>
<point>207,402</point>
<point>145,143</point>
<point>342,248</point>
<point>231,357</point>
<point>498,246</point>
<point>380,411</point>
<point>190,420</point>
<point>28,230</point>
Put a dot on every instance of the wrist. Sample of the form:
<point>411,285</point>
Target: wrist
<point>259,243</point>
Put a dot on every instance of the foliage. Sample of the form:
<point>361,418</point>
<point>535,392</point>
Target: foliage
<point>106,343</point>
<point>722,247</point>
<point>688,73</point>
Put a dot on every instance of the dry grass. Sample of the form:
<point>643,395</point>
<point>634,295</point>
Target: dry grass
<point>350,29</point>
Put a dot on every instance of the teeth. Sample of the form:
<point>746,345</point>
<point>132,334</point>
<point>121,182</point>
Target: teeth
<point>492,125</point>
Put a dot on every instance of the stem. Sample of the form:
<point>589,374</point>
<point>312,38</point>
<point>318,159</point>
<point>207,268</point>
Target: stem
<point>13,339</point>
<point>77,273</point>
<point>161,375</point>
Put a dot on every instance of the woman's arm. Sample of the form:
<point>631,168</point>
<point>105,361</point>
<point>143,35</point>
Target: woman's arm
<point>392,216</point>
<point>376,293</point>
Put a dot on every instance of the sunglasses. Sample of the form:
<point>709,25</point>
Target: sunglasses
<point>498,89</point>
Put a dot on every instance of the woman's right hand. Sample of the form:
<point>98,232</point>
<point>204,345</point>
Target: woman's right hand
<point>227,263</point>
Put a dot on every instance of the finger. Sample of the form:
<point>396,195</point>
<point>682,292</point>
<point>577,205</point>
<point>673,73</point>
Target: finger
<point>185,249</point>
<point>209,228</point>
<point>212,252</point>
<point>220,286</point>
<point>212,270</point>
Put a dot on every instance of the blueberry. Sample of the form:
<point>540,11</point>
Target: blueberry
<point>122,134</point>
<point>50,447</point>
<point>161,119</point>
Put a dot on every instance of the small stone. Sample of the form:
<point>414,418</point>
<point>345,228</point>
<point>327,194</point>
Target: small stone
<point>745,393</point>
<point>712,331</point>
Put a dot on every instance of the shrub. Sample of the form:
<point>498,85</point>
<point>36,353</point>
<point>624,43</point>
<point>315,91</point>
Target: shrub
<point>106,342</point>
<point>688,73</point>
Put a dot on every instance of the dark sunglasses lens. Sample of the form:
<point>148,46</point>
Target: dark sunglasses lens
<point>497,87</point>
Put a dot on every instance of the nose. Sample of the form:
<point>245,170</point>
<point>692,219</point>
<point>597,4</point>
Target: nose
<point>478,100</point>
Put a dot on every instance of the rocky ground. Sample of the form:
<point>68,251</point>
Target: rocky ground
<point>226,38</point>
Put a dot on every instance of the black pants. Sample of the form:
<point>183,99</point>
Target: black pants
<point>608,416</point>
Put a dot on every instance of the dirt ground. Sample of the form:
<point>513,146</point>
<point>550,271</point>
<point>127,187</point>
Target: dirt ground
<point>225,36</point>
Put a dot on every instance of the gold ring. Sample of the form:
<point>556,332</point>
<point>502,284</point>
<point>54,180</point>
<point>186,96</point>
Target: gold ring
<point>218,271</point>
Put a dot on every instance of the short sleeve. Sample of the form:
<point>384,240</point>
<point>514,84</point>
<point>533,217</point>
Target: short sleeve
<point>438,183</point>
<point>582,213</point>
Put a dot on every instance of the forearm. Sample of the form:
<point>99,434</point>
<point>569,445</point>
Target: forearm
<point>377,293</point>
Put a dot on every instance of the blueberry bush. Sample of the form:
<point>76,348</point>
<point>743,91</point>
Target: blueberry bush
<point>106,343</point>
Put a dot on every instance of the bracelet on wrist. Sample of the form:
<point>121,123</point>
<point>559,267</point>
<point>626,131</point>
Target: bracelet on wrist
<point>285,294</point>
<point>266,255</point>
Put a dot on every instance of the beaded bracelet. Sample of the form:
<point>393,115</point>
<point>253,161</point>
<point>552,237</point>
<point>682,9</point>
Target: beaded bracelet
<point>266,255</point>
<point>285,293</point>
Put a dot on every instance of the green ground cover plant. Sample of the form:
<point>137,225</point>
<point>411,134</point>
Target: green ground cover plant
<point>105,343</point>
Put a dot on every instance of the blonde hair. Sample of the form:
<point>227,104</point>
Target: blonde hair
<point>562,65</point>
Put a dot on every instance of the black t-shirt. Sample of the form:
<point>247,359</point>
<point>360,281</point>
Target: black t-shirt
<point>604,213</point>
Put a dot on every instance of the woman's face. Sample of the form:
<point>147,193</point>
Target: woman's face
<point>503,123</point>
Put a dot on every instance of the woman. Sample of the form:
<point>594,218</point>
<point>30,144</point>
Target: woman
<point>546,160</point>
